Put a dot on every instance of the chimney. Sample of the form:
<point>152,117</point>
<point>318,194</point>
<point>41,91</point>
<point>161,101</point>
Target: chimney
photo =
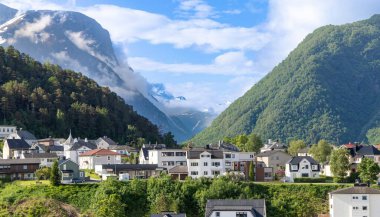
<point>269,141</point>
<point>207,147</point>
<point>85,140</point>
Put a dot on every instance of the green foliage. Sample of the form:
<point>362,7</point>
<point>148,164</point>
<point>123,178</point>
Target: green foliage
<point>295,146</point>
<point>49,101</point>
<point>368,170</point>
<point>251,171</point>
<point>317,92</point>
<point>55,176</point>
<point>310,180</point>
<point>1,144</point>
<point>373,136</point>
<point>107,200</point>
<point>254,143</point>
<point>43,173</point>
<point>339,164</point>
<point>321,151</point>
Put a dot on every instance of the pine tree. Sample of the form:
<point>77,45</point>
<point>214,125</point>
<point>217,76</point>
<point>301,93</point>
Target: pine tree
<point>251,172</point>
<point>55,178</point>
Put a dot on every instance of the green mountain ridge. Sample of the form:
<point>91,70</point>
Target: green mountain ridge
<point>49,101</point>
<point>327,88</point>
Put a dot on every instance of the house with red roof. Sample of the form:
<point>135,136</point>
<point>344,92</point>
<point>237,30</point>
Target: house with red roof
<point>89,159</point>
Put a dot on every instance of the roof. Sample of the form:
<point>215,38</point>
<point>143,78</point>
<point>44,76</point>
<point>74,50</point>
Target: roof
<point>178,169</point>
<point>257,207</point>
<point>56,148</point>
<point>122,147</point>
<point>298,159</point>
<point>349,145</point>
<point>129,167</point>
<point>269,153</point>
<point>80,143</point>
<point>368,150</point>
<point>17,144</point>
<point>225,146</point>
<point>24,134</point>
<point>99,152</point>
<point>168,214</point>
<point>20,161</point>
<point>196,152</point>
<point>356,190</point>
<point>40,155</point>
<point>107,140</point>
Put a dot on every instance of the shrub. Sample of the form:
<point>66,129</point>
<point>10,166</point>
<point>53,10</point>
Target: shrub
<point>310,180</point>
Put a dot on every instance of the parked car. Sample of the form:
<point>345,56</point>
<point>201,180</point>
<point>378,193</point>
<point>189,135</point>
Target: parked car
<point>77,181</point>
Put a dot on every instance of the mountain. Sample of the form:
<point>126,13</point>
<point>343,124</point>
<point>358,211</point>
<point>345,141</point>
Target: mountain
<point>75,41</point>
<point>49,101</point>
<point>327,88</point>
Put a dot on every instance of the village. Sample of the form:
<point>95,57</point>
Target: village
<point>87,161</point>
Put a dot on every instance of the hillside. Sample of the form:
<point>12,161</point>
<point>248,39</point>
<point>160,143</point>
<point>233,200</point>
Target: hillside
<point>327,88</point>
<point>49,101</point>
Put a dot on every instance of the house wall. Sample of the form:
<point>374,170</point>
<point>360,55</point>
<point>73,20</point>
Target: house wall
<point>102,144</point>
<point>6,130</point>
<point>161,158</point>
<point>89,162</point>
<point>343,205</point>
<point>304,167</point>
<point>6,151</point>
<point>18,171</point>
<point>230,213</point>
<point>70,165</point>
<point>276,160</point>
<point>205,166</point>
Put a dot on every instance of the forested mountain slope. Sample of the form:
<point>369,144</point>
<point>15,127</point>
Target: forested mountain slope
<point>327,88</point>
<point>49,101</point>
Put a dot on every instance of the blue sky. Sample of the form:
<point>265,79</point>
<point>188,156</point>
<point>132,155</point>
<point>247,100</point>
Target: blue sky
<point>212,51</point>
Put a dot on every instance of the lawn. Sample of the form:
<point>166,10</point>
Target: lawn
<point>25,183</point>
<point>92,174</point>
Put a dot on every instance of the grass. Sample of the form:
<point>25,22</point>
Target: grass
<point>25,183</point>
<point>92,174</point>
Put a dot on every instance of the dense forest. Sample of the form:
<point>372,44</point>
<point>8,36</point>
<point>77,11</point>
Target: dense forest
<point>327,88</point>
<point>139,198</point>
<point>49,101</point>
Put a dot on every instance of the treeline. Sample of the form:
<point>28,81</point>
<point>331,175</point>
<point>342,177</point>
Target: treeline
<point>143,197</point>
<point>48,101</point>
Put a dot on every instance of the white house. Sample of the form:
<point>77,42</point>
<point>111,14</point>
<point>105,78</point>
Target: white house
<point>167,158</point>
<point>5,130</point>
<point>89,159</point>
<point>14,148</point>
<point>25,135</point>
<point>123,149</point>
<point>301,166</point>
<point>144,152</point>
<point>235,208</point>
<point>357,201</point>
<point>204,162</point>
<point>104,142</point>
<point>72,148</point>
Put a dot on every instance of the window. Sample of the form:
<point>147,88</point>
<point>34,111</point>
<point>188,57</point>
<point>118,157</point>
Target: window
<point>205,164</point>
<point>294,167</point>
<point>305,174</point>
<point>228,163</point>
<point>364,207</point>
<point>194,164</point>
<point>364,197</point>
<point>227,155</point>
<point>64,167</point>
<point>194,173</point>
<point>314,167</point>
<point>205,173</point>
<point>25,167</point>
<point>355,207</point>
<point>181,163</point>
<point>167,163</point>
<point>215,164</point>
<point>251,156</point>
<point>215,172</point>
<point>167,154</point>
<point>233,155</point>
<point>355,197</point>
<point>108,157</point>
<point>241,214</point>
<point>217,214</point>
<point>267,175</point>
<point>81,174</point>
<point>277,158</point>
<point>180,154</point>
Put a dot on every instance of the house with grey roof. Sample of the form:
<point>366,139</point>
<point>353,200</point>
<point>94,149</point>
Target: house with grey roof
<point>205,162</point>
<point>74,147</point>
<point>14,148</point>
<point>18,169</point>
<point>272,145</point>
<point>132,171</point>
<point>235,208</point>
<point>46,159</point>
<point>123,149</point>
<point>5,130</point>
<point>274,158</point>
<point>104,142</point>
<point>359,200</point>
<point>69,171</point>
<point>25,135</point>
<point>301,167</point>
<point>168,214</point>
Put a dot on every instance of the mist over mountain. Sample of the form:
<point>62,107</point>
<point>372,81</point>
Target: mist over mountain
<point>76,41</point>
<point>327,88</point>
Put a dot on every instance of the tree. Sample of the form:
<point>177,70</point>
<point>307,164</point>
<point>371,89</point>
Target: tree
<point>43,173</point>
<point>169,140</point>
<point>373,136</point>
<point>251,171</point>
<point>321,151</point>
<point>295,146</point>
<point>107,201</point>
<point>368,170</point>
<point>339,163</point>
<point>55,178</point>
<point>254,143</point>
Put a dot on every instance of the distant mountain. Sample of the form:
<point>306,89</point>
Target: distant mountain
<point>327,88</point>
<point>75,41</point>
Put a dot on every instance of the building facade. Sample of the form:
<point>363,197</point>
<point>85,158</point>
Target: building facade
<point>5,130</point>
<point>302,167</point>
<point>89,159</point>
<point>203,162</point>
<point>235,208</point>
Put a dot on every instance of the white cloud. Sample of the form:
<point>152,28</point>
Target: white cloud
<point>195,9</point>
<point>230,63</point>
<point>34,31</point>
